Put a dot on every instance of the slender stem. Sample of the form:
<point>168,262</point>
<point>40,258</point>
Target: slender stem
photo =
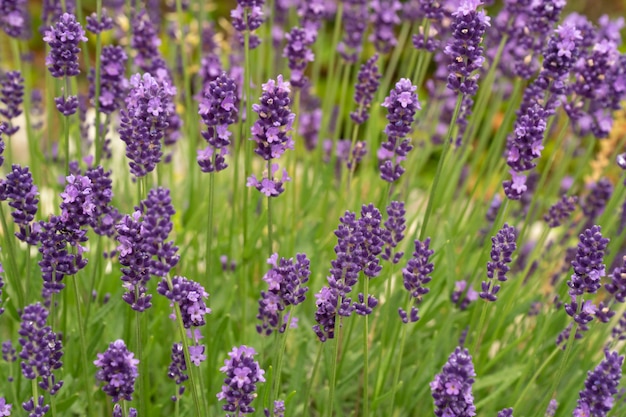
<point>366,350</point>
<point>141,387</point>
<point>396,374</point>
<point>446,147</point>
<point>246,131</point>
<point>281,355</point>
<point>312,379</point>
<point>333,369</point>
<point>66,127</point>
<point>11,255</point>
<point>270,241</point>
<point>83,348</point>
<point>209,237</point>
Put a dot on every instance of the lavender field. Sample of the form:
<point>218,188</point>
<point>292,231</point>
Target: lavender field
<point>312,208</point>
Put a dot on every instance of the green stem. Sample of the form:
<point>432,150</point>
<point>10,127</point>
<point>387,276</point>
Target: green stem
<point>280,356</point>
<point>209,237</point>
<point>83,348</point>
<point>270,237</point>
<point>333,369</point>
<point>307,396</point>
<point>366,352</point>
<point>535,375</point>
<point>11,255</point>
<point>99,137</point>
<point>142,368</point>
<point>446,147</point>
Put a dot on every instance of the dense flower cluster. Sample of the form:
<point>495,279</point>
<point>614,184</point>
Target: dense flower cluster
<point>463,294</point>
<point>118,371</point>
<point>22,194</point>
<point>113,84</point>
<point>452,388</point>
<point>12,96</point>
<point>401,104</point>
<point>384,18</point>
<point>596,399</point>
<point>366,87</point>
<point>96,26</point>
<point>5,408</point>
<point>243,374</point>
<point>14,19</point>
<point>395,225</point>
<point>177,369</point>
<point>247,17</point>
<point>468,28</point>
<point>189,296</point>
<point>144,122</point>
<point>359,244</point>
<point>561,211</point>
<point>599,195</point>
<point>286,281</point>
<point>271,134</point>
<point>416,275</point>
<point>143,247</point>
<point>218,108</point>
<point>63,39</point>
<point>355,17</point>
<point>502,247</point>
<point>298,53</point>
<point>42,349</point>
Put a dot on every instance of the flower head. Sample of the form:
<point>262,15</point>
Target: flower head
<point>243,373</point>
<point>63,39</point>
<point>118,371</point>
<point>452,388</point>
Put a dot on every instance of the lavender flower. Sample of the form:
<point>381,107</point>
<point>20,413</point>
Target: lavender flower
<point>94,26</point>
<point>12,96</point>
<point>218,108</point>
<point>298,53</point>
<point>597,198</point>
<point>394,226</point>
<point>279,409</point>
<point>242,375</point>
<point>5,408</point>
<point>286,281</point>
<point>22,194</point>
<point>271,133</point>
<point>452,388</point>
<point>42,349</point>
<point>401,106</point>
<point>113,85</point>
<point>384,18</point>
<point>463,295</point>
<point>36,410</point>
<point>507,412</point>
<point>177,370</point>
<point>1,285</point>
<point>359,243</point>
<point>502,247</point>
<point>14,19</point>
<point>118,371</point>
<point>596,399</point>
<point>248,16</point>
<point>355,17</point>
<point>367,85</point>
<point>104,215</point>
<point>144,122</point>
<point>561,211</point>
<point>416,275</point>
<point>118,411</point>
<point>588,265</point>
<point>189,295</point>
<point>468,28</point>
<point>551,410</point>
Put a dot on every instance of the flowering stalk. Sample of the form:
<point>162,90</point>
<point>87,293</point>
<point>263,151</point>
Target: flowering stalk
<point>98,140</point>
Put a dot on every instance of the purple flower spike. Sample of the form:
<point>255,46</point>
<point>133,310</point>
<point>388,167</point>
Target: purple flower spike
<point>507,412</point>
<point>355,17</point>
<point>94,26</point>
<point>452,388</point>
<point>177,370</point>
<point>463,295</point>
<point>589,263</point>
<point>36,411</point>
<point>63,39</point>
<point>395,227</point>
<point>118,371</point>
<point>502,247</point>
<point>12,96</point>
<point>597,398</point>
<point>367,85</point>
<point>401,104</point>
<point>561,211</point>
<point>384,18</point>
<point>218,108</point>
<point>22,194</point>
<point>14,19</point>
<point>416,275</point>
<point>113,84</point>
<point>243,373</point>
<point>144,122</point>
<point>271,133</point>
<point>551,410</point>
<point>5,408</point>
<point>248,16</point>
<point>464,49</point>
<point>190,296</point>
<point>41,348</point>
<point>286,282</point>
<point>298,52</point>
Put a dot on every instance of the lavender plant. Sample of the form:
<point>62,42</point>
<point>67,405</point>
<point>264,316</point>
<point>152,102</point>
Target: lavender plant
<point>525,95</point>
